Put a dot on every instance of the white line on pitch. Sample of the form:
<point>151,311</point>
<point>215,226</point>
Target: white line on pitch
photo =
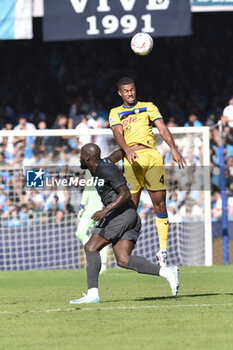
<point>113,308</point>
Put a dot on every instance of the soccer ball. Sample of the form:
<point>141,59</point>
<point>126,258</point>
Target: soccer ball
<point>142,44</point>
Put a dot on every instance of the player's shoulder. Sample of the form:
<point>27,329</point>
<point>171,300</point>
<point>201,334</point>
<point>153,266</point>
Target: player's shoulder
<point>148,105</point>
<point>107,164</point>
<point>107,161</point>
<point>116,109</point>
<point>108,170</point>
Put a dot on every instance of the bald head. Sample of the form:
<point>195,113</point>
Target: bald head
<point>90,155</point>
<point>92,149</point>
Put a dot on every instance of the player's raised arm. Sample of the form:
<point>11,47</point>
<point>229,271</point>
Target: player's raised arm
<point>119,137</point>
<point>168,138</point>
<point>116,155</point>
<point>123,195</point>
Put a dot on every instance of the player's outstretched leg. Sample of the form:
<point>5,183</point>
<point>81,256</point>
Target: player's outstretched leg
<point>141,265</point>
<point>122,251</point>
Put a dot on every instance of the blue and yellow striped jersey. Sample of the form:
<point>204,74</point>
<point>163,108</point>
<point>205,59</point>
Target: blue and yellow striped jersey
<point>136,122</point>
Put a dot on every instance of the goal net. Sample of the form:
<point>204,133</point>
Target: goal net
<point>41,188</point>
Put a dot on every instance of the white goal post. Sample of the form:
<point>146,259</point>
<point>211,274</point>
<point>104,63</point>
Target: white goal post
<point>194,239</point>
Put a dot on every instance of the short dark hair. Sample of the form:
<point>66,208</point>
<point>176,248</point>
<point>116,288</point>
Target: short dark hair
<point>125,81</point>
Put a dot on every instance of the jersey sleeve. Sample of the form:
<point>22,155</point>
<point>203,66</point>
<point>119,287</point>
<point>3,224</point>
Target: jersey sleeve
<point>153,112</point>
<point>114,118</point>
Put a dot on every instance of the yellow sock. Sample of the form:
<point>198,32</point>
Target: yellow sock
<point>162,225</point>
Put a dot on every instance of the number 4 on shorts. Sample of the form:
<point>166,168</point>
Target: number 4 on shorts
<point>162,180</point>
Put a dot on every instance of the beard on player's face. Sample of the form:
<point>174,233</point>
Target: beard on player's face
<point>83,164</point>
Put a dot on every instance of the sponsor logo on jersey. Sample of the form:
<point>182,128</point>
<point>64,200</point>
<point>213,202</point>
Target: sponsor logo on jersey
<point>128,121</point>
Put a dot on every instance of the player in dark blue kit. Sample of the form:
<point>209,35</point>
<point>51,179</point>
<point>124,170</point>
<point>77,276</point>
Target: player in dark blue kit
<point>118,224</point>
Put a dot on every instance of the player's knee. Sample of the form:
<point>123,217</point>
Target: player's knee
<point>160,208</point>
<point>159,201</point>
<point>123,261</point>
<point>89,247</point>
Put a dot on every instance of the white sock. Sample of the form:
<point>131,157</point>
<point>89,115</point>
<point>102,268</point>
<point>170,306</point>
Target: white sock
<point>103,267</point>
<point>93,293</point>
<point>164,271</point>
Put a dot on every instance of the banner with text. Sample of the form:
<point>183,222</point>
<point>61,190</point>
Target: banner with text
<point>94,19</point>
<point>212,5</point>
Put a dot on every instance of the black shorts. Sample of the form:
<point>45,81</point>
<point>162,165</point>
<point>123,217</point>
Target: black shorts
<point>121,224</point>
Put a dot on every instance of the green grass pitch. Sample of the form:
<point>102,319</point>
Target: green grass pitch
<point>136,311</point>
